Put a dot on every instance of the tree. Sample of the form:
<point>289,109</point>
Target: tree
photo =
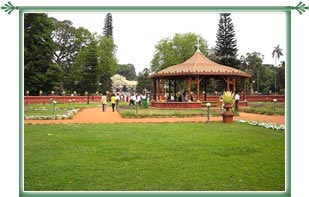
<point>107,62</point>
<point>108,26</point>
<point>253,65</point>
<point>169,52</point>
<point>277,53</point>
<point>89,80</point>
<point>143,82</point>
<point>38,51</point>
<point>226,44</point>
<point>281,77</point>
<point>55,77</point>
<point>65,50</point>
<point>127,70</point>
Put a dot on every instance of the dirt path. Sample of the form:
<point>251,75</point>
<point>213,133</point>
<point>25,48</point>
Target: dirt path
<point>95,115</point>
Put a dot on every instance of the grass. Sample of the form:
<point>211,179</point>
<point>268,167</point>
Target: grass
<point>153,157</point>
<point>266,108</point>
<point>153,112</point>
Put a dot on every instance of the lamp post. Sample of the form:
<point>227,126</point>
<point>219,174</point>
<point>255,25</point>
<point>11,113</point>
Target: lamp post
<point>208,105</point>
<point>274,101</point>
<point>54,106</point>
<point>86,94</point>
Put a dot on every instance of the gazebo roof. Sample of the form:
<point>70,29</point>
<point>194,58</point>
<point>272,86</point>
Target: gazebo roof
<point>198,64</point>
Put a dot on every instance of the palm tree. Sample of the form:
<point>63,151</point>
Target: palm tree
<point>277,52</point>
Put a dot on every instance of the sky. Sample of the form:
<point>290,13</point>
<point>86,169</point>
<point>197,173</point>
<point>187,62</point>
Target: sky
<point>136,34</point>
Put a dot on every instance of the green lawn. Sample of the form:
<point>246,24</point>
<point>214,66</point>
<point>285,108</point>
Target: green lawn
<point>154,112</point>
<point>153,157</point>
<point>268,108</point>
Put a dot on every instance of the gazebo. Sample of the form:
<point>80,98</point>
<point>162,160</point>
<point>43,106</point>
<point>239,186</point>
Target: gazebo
<point>193,71</point>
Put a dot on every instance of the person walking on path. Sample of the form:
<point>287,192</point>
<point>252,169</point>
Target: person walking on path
<point>113,101</point>
<point>104,102</point>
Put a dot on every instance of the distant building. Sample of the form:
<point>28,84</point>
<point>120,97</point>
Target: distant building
<point>121,84</point>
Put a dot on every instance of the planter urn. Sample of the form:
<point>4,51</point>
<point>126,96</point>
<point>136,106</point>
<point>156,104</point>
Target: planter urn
<point>227,115</point>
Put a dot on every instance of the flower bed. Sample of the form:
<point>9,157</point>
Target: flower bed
<point>68,115</point>
<point>265,125</point>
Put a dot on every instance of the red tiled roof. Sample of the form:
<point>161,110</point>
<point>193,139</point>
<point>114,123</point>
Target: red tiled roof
<point>198,64</point>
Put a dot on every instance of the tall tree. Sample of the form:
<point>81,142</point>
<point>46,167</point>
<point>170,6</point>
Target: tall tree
<point>226,44</point>
<point>65,51</point>
<point>89,80</point>
<point>181,47</point>
<point>108,26</point>
<point>107,62</point>
<point>38,52</point>
<point>277,53</point>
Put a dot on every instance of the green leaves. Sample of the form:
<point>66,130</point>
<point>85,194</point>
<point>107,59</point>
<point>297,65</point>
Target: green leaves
<point>8,7</point>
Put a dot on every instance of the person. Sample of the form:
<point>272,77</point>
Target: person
<point>104,102</point>
<point>221,102</point>
<point>132,100</point>
<point>117,101</point>
<point>138,100</point>
<point>113,101</point>
<point>237,98</point>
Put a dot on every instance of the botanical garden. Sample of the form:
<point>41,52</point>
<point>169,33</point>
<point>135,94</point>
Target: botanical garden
<point>168,132</point>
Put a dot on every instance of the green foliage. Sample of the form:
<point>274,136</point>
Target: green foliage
<point>153,157</point>
<point>174,51</point>
<point>89,80</point>
<point>108,26</point>
<point>108,62</point>
<point>263,75</point>
<point>228,97</point>
<point>226,44</point>
<point>127,70</point>
<point>143,82</point>
<point>38,51</point>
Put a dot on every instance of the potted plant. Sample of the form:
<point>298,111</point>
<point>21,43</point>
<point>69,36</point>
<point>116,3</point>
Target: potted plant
<point>228,101</point>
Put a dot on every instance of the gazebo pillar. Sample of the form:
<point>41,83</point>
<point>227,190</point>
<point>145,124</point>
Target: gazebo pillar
<point>175,91</point>
<point>234,84</point>
<point>230,81</point>
<point>154,84</point>
<point>158,89</point>
<point>162,89</point>
<point>189,89</point>
<point>198,88</point>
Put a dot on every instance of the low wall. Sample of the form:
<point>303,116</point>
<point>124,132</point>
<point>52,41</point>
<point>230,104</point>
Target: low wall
<point>60,99</point>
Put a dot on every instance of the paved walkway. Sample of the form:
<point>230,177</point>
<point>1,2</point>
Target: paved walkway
<point>95,115</point>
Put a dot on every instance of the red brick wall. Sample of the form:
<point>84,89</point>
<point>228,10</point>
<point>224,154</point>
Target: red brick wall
<point>60,99</point>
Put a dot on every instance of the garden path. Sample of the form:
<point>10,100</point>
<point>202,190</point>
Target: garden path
<point>95,115</point>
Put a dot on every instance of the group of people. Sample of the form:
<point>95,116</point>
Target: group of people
<point>115,99</point>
